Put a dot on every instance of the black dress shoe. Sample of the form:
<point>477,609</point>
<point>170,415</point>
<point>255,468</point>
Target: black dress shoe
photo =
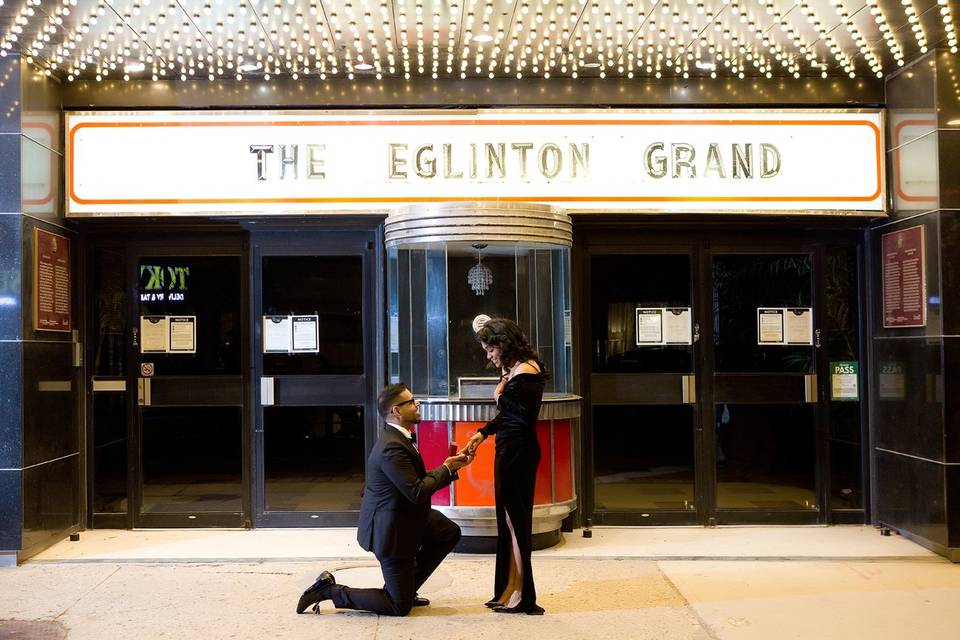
<point>420,601</point>
<point>530,610</point>
<point>492,604</point>
<point>317,592</point>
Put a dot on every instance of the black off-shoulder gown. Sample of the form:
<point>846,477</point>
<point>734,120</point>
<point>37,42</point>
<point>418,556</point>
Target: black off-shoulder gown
<point>514,472</point>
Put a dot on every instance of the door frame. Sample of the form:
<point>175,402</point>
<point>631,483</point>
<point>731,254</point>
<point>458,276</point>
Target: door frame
<point>192,240</point>
<point>362,237</point>
<point>663,244</point>
<point>595,236</point>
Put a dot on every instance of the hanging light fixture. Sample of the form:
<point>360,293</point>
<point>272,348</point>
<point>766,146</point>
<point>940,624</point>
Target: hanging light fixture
<point>479,277</point>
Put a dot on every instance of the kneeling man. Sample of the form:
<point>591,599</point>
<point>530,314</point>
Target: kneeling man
<point>409,538</point>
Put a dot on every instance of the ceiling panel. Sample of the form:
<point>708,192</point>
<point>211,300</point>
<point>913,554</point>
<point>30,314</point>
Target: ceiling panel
<point>260,39</point>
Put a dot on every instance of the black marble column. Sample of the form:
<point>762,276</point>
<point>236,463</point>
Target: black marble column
<point>915,382</point>
<point>11,314</point>
<point>40,453</point>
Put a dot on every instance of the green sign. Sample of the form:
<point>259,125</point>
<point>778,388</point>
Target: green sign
<point>845,380</point>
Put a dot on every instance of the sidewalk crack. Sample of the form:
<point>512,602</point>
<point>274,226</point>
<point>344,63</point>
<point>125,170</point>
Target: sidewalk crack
<point>703,623</point>
<point>89,591</point>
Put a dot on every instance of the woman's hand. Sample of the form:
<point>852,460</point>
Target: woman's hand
<point>471,448</point>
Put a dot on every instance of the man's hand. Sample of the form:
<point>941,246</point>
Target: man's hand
<point>457,462</point>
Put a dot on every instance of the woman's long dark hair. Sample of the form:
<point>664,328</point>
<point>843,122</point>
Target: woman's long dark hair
<point>514,347</point>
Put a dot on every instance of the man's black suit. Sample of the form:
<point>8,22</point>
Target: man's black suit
<point>409,538</point>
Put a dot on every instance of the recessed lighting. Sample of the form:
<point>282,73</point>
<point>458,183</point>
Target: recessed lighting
<point>248,66</point>
<point>953,123</point>
<point>134,67</point>
<point>591,65</point>
<point>706,66</point>
<point>364,66</point>
<point>483,37</point>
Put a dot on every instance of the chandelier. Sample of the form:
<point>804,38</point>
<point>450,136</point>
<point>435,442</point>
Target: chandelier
<point>479,277</point>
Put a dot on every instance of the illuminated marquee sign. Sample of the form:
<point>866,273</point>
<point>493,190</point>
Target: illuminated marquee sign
<point>242,162</point>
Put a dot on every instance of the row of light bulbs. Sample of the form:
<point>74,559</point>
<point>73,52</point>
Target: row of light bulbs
<point>533,47</point>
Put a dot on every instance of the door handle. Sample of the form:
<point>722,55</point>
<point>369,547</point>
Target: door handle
<point>267,389</point>
<point>696,332</point>
<point>143,392</point>
<point>810,387</point>
<point>688,389</point>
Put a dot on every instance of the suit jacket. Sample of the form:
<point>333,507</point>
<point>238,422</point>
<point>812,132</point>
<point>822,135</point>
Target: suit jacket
<point>396,498</point>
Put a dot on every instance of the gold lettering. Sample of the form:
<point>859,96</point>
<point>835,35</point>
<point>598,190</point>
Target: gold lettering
<point>315,162</point>
<point>496,157</point>
<point>521,148</point>
<point>656,166</point>
<point>714,161</point>
<point>579,157</point>
<point>769,160</point>
<point>397,163</point>
<point>683,156</point>
<point>550,167</point>
<point>743,161</point>
<point>426,166</point>
<point>448,163</point>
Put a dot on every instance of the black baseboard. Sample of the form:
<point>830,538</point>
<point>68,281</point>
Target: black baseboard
<point>488,544</point>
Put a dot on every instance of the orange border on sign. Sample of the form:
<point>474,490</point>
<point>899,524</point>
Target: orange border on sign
<point>531,122</point>
<point>896,160</point>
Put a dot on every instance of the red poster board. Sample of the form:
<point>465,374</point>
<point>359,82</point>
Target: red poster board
<point>904,279</point>
<point>51,291</point>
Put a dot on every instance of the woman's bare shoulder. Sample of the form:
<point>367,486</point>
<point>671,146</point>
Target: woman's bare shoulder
<point>527,367</point>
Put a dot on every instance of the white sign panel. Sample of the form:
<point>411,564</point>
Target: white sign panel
<point>246,162</point>
<point>183,334</point>
<point>306,336</point>
<point>664,325</point>
<point>784,325</point>
<point>277,334</point>
<point>649,326</point>
<point>677,325</point>
<point>769,325</point>
<point>154,334</point>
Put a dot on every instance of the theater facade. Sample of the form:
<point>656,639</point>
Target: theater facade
<point>742,289</point>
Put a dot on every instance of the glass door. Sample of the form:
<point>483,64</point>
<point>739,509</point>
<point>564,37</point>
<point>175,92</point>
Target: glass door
<point>316,376</point>
<point>646,437</point>
<point>764,390</point>
<point>188,346</point>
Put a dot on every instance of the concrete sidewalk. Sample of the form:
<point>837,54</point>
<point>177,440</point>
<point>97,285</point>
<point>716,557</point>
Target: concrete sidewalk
<point>744,583</point>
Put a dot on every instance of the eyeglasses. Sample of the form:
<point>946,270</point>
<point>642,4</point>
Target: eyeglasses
<point>413,400</point>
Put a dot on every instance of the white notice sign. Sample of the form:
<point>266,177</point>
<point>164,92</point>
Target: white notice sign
<point>277,334</point>
<point>677,325</point>
<point>798,325</point>
<point>153,334</point>
<point>769,325</point>
<point>183,334</point>
<point>649,326</point>
<point>306,336</point>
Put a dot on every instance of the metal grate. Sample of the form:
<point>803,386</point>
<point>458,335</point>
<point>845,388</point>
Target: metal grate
<point>32,630</point>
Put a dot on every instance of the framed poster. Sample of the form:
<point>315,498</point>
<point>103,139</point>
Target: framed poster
<point>306,334</point>
<point>183,334</point>
<point>649,325</point>
<point>904,279</point>
<point>769,325</point>
<point>277,334</point>
<point>154,334</point>
<point>51,289</point>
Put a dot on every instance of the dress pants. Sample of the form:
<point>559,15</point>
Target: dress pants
<point>402,576</point>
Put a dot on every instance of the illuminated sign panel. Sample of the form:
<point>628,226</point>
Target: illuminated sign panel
<point>242,162</point>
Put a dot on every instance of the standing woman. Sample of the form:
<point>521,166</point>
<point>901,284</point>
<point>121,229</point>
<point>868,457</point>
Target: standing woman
<point>518,398</point>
